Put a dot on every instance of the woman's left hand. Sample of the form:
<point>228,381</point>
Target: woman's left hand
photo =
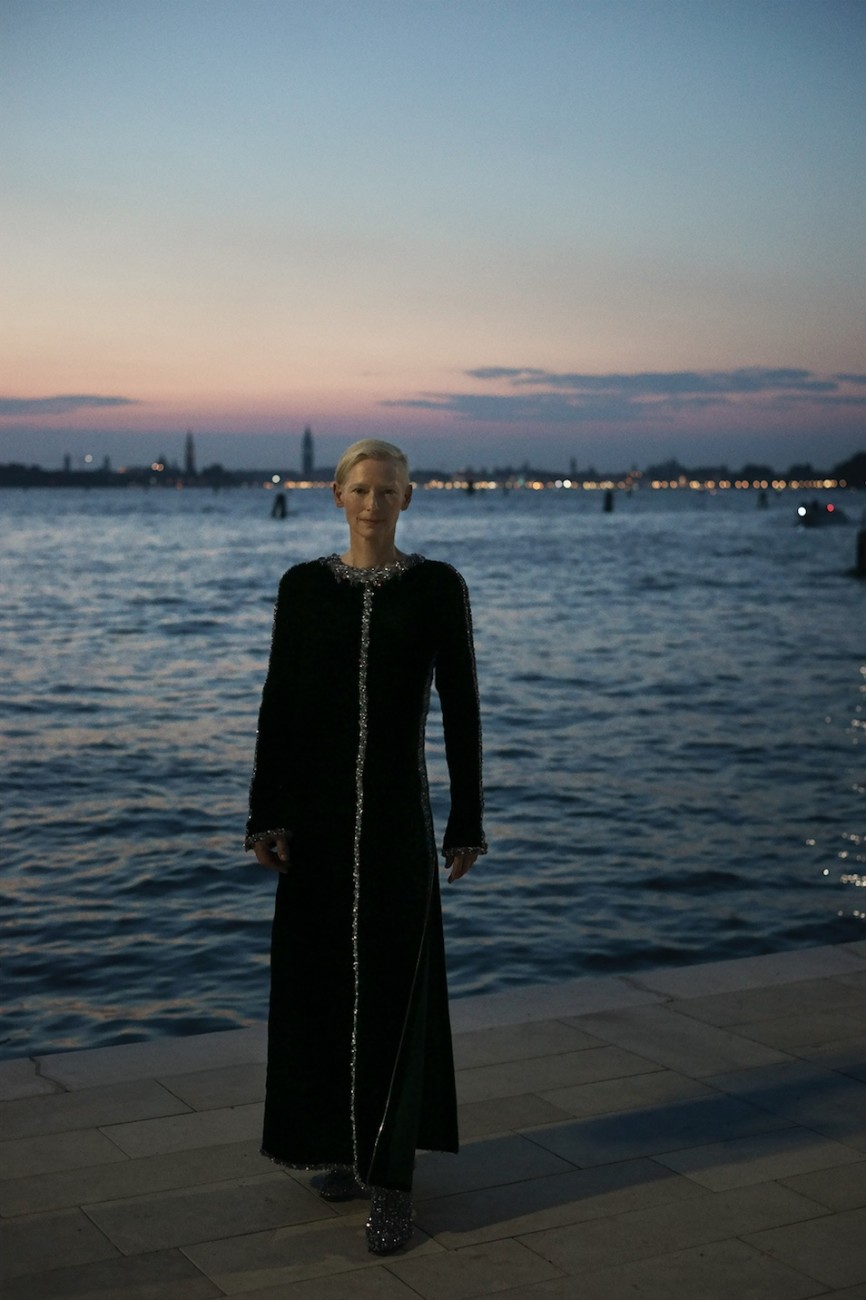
<point>459,864</point>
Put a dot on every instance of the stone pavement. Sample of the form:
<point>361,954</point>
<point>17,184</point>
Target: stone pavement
<point>684,1134</point>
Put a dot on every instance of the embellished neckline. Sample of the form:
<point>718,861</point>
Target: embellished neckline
<point>372,577</point>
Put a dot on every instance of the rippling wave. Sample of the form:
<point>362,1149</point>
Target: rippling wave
<point>674,705</point>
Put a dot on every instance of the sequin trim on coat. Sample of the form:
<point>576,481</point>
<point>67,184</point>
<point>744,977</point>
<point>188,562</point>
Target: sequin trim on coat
<point>372,577</point>
<point>250,841</point>
<point>322,1165</point>
<point>363,658</point>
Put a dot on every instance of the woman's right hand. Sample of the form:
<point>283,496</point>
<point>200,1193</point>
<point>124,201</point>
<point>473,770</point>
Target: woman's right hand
<point>273,854</point>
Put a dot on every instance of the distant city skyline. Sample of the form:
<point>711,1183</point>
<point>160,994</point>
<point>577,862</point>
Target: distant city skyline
<point>301,463</point>
<point>490,231</point>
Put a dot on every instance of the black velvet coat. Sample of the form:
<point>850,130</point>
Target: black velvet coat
<point>360,1070</point>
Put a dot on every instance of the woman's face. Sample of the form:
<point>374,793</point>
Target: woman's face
<point>373,495</point>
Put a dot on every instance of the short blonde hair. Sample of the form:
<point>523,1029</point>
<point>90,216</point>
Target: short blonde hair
<point>369,449</point>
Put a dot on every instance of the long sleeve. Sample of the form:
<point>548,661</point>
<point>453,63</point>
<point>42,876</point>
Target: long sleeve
<point>272,788</point>
<point>457,686</point>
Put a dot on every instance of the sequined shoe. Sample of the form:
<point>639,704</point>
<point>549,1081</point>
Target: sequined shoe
<point>390,1223</point>
<point>340,1184</point>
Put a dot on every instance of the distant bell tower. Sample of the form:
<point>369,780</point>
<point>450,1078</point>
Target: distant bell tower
<point>189,456</point>
<point>307,453</point>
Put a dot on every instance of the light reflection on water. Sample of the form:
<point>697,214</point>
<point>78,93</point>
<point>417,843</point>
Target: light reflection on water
<point>674,716</point>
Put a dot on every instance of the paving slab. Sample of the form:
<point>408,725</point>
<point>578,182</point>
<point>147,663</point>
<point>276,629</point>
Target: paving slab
<point>269,1259</point>
<point>740,1162</point>
<point>149,1060</point>
<point>183,1216</point>
<point>183,1132</point>
<point>486,1269</point>
<point>751,972</point>
<point>488,1162</point>
<point>635,1092</point>
<point>663,1035</point>
<point>68,1236</point>
<point>831,1249</point>
<point>505,1115</point>
<point>838,1189</point>
<point>855,1072</point>
<point>376,1283</point>
<point>39,1155</point>
<point>519,1042</point>
<point>805,1093</point>
<point>542,1073</point>
<point>491,1214</point>
<point>662,1229</point>
<point>21,1078</point>
<point>805,998</point>
<point>847,1055</point>
<point>790,1033</point>
<point>605,1139</point>
<point>231,1085</point>
<point>727,1270</point>
<point>113,1182</point>
<point>542,1002</point>
<point>87,1108</point>
<point>163,1275</point>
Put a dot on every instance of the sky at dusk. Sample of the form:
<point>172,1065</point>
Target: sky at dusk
<point>490,230</point>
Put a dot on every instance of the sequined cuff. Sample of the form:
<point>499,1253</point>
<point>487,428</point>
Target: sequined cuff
<point>480,849</point>
<point>251,841</point>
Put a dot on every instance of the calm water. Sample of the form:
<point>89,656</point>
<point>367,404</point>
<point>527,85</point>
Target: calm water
<point>674,701</point>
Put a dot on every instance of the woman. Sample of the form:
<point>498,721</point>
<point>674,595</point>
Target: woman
<point>360,1071</point>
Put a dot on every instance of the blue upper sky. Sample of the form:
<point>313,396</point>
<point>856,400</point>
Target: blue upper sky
<point>491,230</point>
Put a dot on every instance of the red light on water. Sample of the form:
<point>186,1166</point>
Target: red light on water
<point>830,509</point>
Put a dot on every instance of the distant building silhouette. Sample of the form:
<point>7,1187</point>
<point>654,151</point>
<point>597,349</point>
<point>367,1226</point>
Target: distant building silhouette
<point>307,453</point>
<point>189,456</point>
